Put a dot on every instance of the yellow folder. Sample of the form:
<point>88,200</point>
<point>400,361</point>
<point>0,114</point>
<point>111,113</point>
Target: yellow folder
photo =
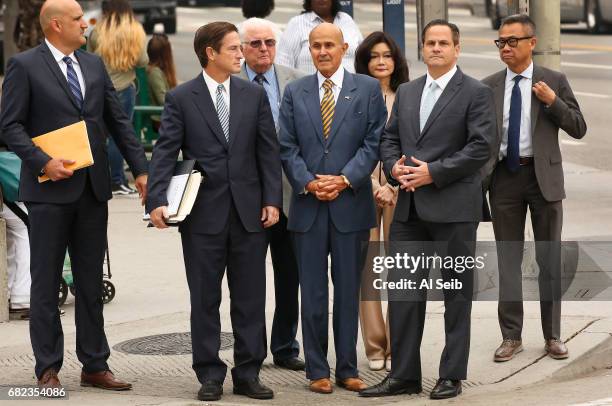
<point>70,142</point>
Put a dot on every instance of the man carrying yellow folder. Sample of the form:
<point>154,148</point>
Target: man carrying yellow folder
<point>49,88</point>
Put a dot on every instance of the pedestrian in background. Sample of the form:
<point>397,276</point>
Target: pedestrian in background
<point>293,48</point>
<point>532,103</point>
<point>120,41</point>
<point>161,72</point>
<point>257,8</point>
<point>380,57</point>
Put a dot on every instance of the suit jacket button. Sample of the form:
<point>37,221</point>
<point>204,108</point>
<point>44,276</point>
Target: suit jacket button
<point>327,151</point>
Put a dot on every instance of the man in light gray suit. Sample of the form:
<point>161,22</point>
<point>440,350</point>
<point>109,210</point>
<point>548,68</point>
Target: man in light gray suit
<point>258,38</point>
<point>532,103</point>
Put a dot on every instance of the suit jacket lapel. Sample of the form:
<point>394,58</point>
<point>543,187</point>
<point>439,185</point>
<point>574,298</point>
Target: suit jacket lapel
<point>235,110</point>
<point>345,100</point>
<point>538,75</point>
<point>282,78</point>
<point>416,106</point>
<point>447,95</point>
<point>313,106</point>
<point>57,72</point>
<point>499,90</point>
<point>206,107</point>
<point>83,65</point>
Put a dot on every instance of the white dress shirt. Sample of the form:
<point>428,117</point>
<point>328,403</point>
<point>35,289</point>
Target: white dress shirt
<point>442,82</point>
<point>58,56</point>
<point>336,79</point>
<point>525,147</point>
<point>293,47</point>
<point>212,85</point>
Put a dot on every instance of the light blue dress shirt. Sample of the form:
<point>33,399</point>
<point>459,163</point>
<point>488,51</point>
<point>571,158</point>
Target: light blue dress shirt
<point>270,84</point>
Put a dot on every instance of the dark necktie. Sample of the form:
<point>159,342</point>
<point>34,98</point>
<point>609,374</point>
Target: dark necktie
<point>514,127</point>
<point>260,79</point>
<point>73,82</point>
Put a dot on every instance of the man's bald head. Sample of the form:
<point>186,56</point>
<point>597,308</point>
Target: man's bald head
<point>327,48</point>
<point>63,25</point>
<point>328,30</point>
<point>52,9</point>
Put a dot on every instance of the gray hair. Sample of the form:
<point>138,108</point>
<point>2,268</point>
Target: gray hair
<point>255,22</point>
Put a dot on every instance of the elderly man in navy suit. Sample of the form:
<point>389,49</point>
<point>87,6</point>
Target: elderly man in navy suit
<point>330,126</point>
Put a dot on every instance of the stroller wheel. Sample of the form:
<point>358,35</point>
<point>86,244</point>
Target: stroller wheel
<point>108,291</point>
<point>63,292</point>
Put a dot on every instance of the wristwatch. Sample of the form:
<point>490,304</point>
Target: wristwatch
<point>345,179</point>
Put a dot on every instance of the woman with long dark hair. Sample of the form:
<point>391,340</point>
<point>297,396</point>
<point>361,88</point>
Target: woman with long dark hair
<point>293,47</point>
<point>380,57</point>
<point>161,73</point>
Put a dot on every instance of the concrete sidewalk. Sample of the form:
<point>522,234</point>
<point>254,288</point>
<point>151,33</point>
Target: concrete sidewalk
<point>152,299</point>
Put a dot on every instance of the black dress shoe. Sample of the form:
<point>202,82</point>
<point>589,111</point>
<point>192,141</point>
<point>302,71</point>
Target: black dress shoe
<point>294,364</point>
<point>445,389</point>
<point>252,388</point>
<point>390,387</point>
<point>210,390</point>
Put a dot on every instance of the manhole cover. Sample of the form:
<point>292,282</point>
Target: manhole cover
<point>166,344</point>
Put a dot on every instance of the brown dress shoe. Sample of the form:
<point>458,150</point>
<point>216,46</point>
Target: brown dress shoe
<point>556,348</point>
<point>49,379</point>
<point>104,380</point>
<point>352,384</point>
<point>322,385</point>
<point>507,350</point>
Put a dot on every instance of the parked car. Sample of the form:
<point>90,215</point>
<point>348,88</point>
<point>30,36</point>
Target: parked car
<point>596,13</point>
<point>147,12</point>
<point>209,3</point>
<point>151,12</point>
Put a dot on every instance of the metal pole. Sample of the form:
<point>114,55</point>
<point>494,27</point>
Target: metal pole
<point>4,308</point>
<point>393,22</point>
<point>347,6</point>
<point>428,10</point>
<point>547,16</point>
<point>518,7</point>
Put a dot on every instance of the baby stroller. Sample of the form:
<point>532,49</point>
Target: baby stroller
<point>67,281</point>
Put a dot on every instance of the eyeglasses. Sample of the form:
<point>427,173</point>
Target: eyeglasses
<point>512,42</point>
<point>257,43</point>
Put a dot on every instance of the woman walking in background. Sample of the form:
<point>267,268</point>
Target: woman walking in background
<point>161,73</point>
<point>120,41</point>
<point>380,57</point>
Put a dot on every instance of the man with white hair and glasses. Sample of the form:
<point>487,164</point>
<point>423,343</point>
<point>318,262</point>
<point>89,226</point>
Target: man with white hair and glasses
<point>259,38</point>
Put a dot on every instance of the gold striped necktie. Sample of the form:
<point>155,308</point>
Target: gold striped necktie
<point>327,107</point>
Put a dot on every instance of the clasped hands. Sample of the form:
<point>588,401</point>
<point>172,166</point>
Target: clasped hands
<point>411,177</point>
<point>326,187</point>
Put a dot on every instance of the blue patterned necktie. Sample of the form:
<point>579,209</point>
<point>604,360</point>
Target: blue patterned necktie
<point>222,112</point>
<point>514,127</point>
<point>73,82</point>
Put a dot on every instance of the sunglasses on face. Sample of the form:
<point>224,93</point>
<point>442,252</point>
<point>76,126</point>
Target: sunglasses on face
<point>512,42</point>
<point>257,43</point>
